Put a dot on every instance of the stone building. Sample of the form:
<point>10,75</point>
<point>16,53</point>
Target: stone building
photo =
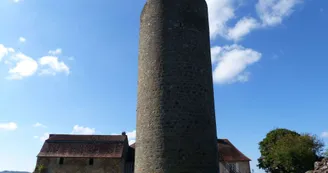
<point>112,154</point>
<point>231,159</point>
<point>85,154</point>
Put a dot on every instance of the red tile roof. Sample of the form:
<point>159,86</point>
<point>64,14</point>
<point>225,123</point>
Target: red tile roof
<point>65,137</point>
<point>112,146</point>
<point>95,146</point>
<point>227,152</point>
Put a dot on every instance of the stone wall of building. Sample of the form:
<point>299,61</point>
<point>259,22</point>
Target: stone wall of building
<point>81,165</point>
<point>320,167</point>
<point>242,167</point>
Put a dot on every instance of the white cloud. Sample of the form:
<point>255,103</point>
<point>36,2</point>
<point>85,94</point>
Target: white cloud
<point>220,12</point>
<point>39,125</point>
<point>8,126</point>
<point>83,130</point>
<point>21,65</point>
<point>242,28</point>
<point>58,51</point>
<point>5,51</point>
<point>11,50</point>
<point>231,63</point>
<point>272,12</point>
<point>22,39</point>
<point>44,137</point>
<point>53,66</point>
<point>243,77</point>
<point>132,142</point>
<point>16,1</point>
<point>215,52</point>
<point>131,136</point>
<point>324,134</point>
<point>25,66</point>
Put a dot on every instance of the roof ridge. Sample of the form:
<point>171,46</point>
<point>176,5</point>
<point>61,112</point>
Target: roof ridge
<point>83,135</point>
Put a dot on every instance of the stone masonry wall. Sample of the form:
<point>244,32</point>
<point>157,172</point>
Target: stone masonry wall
<point>81,165</point>
<point>176,127</point>
<point>320,167</point>
<point>243,167</point>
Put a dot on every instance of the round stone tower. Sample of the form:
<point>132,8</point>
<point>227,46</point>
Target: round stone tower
<point>176,128</point>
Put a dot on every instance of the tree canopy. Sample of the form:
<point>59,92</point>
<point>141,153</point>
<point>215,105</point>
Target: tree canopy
<point>286,151</point>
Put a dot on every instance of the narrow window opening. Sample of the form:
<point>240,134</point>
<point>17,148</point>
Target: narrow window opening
<point>91,161</point>
<point>232,167</point>
<point>61,161</point>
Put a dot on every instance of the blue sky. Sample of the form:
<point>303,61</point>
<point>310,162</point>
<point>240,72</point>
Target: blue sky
<point>71,67</point>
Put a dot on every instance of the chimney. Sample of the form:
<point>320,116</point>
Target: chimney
<point>123,133</point>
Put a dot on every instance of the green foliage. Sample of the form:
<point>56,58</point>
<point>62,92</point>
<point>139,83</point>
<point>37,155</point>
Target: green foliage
<point>286,151</point>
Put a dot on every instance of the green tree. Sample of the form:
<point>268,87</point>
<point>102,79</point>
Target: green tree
<point>286,151</point>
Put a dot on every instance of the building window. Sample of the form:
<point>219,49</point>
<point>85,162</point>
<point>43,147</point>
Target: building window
<point>91,161</point>
<point>61,161</point>
<point>232,167</point>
